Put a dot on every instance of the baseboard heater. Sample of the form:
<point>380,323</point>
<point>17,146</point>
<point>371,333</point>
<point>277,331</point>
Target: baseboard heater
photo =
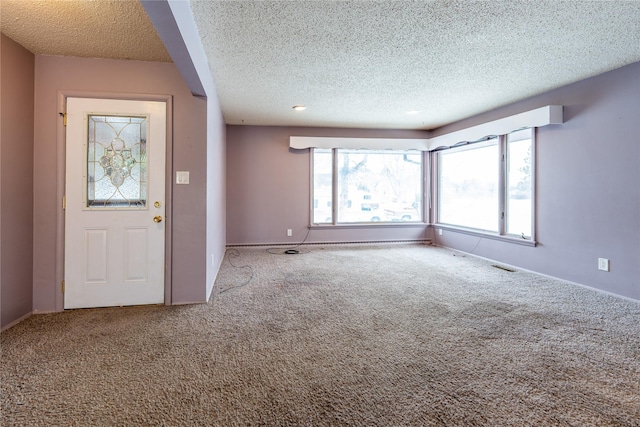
<point>377,242</point>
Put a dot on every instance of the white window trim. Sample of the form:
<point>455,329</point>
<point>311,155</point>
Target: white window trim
<point>504,171</point>
<point>485,234</point>
<point>502,195</point>
<point>494,141</point>
<point>423,223</point>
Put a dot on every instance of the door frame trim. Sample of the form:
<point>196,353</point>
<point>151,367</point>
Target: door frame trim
<point>61,137</point>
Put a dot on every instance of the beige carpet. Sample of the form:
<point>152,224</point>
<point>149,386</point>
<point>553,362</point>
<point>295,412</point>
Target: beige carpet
<point>396,335</point>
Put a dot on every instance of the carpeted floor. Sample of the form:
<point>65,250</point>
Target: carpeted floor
<point>396,335</point>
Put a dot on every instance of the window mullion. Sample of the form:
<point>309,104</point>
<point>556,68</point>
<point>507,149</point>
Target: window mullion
<point>533,169</point>
<point>435,187</point>
<point>502,185</point>
<point>426,187</point>
<point>311,187</point>
<point>367,186</point>
<point>334,192</point>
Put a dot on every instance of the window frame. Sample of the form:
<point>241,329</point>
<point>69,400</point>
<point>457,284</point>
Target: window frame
<point>503,213</point>
<point>424,211</point>
<point>492,142</point>
<point>505,159</point>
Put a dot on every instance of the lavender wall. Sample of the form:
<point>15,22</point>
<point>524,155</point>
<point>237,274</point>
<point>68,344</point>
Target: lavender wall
<point>16,181</point>
<point>268,188</point>
<point>95,76</point>
<point>173,21</point>
<point>216,190</point>
<point>588,186</point>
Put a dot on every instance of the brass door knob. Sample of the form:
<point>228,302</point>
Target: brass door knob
<point>157,218</point>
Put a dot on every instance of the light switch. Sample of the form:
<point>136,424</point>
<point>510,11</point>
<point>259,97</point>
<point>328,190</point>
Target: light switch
<point>182,177</point>
<point>603,264</point>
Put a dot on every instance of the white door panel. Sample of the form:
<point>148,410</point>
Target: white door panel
<point>115,194</point>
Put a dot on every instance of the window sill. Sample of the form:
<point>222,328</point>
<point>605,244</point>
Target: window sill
<point>369,225</point>
<point>487,234</point>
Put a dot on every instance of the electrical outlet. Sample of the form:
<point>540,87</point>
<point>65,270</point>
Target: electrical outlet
<point>439,231</point>
<point>603,264</point>
<point>289,232</point>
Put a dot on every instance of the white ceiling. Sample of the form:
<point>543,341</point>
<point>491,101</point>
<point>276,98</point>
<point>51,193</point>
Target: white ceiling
<point>356,63</point>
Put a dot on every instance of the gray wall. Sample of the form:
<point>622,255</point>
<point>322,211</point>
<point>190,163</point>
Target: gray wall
<point>268,188</point>
<point>588,186</point>
<point>16,181</point>
<point>53,74</point>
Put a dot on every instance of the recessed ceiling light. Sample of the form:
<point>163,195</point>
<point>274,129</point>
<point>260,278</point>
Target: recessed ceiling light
<point>299,107</point>
<point>413,112</point>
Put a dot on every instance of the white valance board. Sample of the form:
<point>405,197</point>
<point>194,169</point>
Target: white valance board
<point>543,116</point>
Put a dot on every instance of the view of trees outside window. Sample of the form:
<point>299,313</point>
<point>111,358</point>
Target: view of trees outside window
<point>468,187</point>
<point>372,186</point>
<point>519,184</point>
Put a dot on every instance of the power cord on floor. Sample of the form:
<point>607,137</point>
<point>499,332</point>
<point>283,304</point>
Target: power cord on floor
<point>292,250</point>
<point>234,253</point>
<point>472,250</point>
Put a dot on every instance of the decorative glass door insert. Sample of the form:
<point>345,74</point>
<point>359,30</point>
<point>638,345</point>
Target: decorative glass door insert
<point>116,162</point>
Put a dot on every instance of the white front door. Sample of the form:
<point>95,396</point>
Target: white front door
<point>115,194</point>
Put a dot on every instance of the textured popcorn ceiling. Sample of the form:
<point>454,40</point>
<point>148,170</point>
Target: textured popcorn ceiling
<point>365,64</point>
<point>356,63</point>
<point>117,29</point>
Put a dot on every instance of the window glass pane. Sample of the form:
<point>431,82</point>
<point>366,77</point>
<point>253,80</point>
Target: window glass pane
<point>519,183</point>
<point>322,186</point>
<point>379,186</point>
<point>468,187</point>
<point>116,162</point>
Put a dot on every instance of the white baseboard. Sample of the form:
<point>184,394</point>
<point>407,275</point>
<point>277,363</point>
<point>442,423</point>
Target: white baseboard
<point>569,282</point>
